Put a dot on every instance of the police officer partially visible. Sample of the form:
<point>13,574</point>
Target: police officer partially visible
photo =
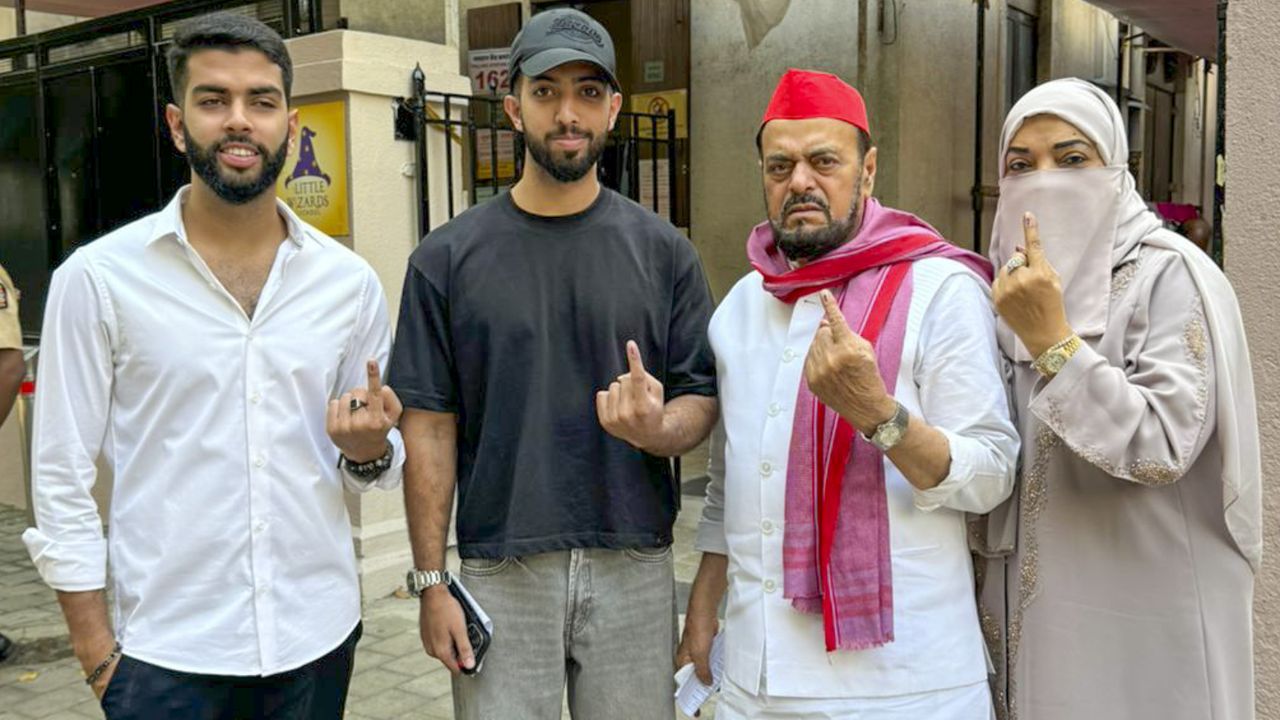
<point>11,371</point>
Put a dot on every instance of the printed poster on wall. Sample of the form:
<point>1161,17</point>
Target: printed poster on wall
<point>658,103</point>
<point>488,71</point>
<point>314,179</point>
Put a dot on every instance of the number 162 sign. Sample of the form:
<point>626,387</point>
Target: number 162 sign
<point>488,71</point>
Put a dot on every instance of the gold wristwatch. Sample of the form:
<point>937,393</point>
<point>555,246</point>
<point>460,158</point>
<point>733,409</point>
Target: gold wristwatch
<point>1052,361</point>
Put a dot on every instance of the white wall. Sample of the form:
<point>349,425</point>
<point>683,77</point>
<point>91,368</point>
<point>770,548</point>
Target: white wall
<point>1251,218</point>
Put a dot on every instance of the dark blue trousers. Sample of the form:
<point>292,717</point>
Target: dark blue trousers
<point>315,691</point>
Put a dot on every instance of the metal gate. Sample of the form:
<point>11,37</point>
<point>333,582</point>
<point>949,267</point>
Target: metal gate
<point>639,161</point>
<point>83,143</point>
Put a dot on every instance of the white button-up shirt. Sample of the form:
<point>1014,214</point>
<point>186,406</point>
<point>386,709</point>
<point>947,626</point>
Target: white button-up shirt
<point>230,547</point>
<point>951,377</point>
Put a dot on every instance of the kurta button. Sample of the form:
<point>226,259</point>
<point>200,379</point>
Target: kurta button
<point>766,469</point>
<point>774,409</point>
<point>255,398</point>
<point>788,355</point>
<point>770,586</point>
<point>766,527</point>
<point>259,461</point>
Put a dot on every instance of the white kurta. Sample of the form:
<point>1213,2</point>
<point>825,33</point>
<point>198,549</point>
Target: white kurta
<point>951,377</point>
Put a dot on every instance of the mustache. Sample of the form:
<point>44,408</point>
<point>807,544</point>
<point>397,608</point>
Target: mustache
<point>563,133</point>
<point>240,140</point>
<point>805,199</point>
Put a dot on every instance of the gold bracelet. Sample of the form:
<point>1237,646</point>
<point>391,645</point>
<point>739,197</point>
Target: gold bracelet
<point>1051,361</point>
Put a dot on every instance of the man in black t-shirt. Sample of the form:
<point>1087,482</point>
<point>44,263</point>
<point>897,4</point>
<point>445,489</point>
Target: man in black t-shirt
<point>551,355</point>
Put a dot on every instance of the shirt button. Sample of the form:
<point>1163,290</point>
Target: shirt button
<point>259,461</point>
<point>766,469</point>
<point>260,526</point>
<point>770,586</point>
<point>774,409</point>
<point>255,398</point>
<point>766,527</point>
<point>788,355</point>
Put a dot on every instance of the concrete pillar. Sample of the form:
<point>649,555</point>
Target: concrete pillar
<point>1251,222</point>
<point>367,72</point>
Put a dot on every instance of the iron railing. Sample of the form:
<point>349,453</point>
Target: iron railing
<point>477,131</point>
<point>83,139</point>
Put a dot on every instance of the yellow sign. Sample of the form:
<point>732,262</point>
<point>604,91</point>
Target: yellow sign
<point>658,103</point>
<point>314,180</point>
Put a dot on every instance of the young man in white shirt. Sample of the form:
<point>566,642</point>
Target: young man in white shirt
<point>223,356</point>
<point>863,414</point>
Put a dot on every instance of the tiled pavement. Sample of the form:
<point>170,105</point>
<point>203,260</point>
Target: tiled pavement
<point>393,677</point>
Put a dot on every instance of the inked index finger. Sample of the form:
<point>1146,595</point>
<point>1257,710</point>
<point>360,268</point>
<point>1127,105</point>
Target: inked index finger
<point>832,315</point>
<point>375,386</point>
<point>1031,232</point>
<point>634,362</point>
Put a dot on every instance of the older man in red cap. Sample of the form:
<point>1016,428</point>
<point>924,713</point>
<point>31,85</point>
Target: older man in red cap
<point>863,414</point>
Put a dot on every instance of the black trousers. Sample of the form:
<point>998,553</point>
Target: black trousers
<point>315,691</point>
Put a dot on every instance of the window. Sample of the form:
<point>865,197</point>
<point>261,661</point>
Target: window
<point>1020,60</point>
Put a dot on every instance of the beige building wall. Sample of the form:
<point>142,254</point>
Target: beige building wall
<point>425,20</point>
<point>732,77</point>
<point>1251,221</point>
<point>36,22</point>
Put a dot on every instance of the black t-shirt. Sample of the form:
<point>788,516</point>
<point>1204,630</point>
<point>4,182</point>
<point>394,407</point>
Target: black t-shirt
<point>514,322</point>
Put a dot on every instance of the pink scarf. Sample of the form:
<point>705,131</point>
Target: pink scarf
<point>835,479</point>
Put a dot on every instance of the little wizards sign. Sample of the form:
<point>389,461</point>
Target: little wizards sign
<point>314,181</point>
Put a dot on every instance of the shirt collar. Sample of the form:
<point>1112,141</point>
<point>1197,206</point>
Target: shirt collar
<point>169,221</point>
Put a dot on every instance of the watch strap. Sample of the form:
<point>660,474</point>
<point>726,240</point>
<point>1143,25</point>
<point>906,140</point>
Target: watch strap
<point>417,581</point>
<point>879,438</point>
<point>1061,351</point>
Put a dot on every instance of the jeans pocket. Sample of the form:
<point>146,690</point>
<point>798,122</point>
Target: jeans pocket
<point>649,554</point>
<point>484,567</point>
<point>111,697</point>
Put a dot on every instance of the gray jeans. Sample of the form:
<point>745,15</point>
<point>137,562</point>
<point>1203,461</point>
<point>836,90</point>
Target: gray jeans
<point>601,622</point>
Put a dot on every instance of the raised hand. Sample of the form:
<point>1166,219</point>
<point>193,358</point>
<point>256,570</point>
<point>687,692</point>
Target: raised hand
<point>842,371</point>
<point>1028,295</point>
<point>358,422</point>
<point>632,408</point>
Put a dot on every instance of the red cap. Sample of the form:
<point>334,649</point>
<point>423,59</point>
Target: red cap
<point>804,94</point>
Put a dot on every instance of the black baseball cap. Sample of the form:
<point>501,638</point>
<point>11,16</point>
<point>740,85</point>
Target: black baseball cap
<point>563,35</point>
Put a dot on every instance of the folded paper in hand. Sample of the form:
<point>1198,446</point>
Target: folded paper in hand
<point>690,692</point>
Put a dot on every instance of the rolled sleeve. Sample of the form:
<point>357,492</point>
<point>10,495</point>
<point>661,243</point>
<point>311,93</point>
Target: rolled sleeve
<point>963,395</point>
<point>978,480</point>
<point>68,565</point>
<point>72,407</point>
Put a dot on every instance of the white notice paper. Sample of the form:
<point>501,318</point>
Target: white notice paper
<point>690,692</point>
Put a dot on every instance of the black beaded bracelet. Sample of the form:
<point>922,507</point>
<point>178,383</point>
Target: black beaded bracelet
<point>368,470</point>
<point>97,672</point>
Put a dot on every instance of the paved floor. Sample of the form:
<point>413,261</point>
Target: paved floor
<point>393,677</point>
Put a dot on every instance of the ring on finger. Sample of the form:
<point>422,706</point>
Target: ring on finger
<point>1017,261</point>
<point>358,404</point>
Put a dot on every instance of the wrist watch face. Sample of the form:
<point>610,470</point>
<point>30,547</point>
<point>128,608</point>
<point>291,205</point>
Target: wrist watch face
<point>1055,362</point>
<point>887,436</point>
<point>890,433</point>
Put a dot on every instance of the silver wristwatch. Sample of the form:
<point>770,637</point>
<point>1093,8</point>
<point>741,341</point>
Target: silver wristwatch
<point>418,581</point>
<point>891,431</point>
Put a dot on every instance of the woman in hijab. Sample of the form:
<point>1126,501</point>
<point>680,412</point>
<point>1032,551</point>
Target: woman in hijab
<point>1117,582</point>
